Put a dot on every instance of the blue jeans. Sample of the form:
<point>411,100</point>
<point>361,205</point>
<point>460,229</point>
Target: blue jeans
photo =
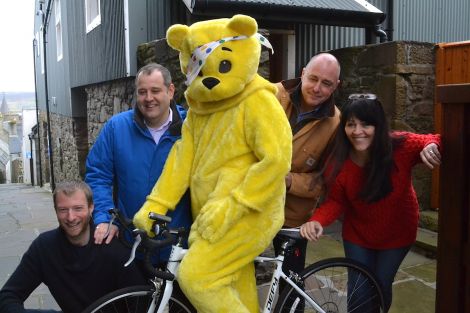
<point>383,263</point>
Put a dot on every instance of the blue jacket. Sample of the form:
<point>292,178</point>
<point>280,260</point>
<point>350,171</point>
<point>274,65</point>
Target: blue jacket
<point>126,161</point>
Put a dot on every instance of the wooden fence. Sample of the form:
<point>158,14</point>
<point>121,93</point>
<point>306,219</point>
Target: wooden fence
<point>453,122</point>
<point>452,67</point>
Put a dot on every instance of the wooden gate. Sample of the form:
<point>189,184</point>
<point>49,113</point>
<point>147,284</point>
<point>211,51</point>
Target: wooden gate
<point>452,117</point>
<point>452,67</point>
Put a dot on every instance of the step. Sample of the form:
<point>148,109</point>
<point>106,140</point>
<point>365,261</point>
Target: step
<point>426,243</point>
<point>429,220</point>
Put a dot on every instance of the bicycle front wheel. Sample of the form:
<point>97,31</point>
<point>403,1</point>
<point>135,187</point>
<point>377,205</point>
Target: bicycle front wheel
<point>336,285</point>
<point>137,299</point>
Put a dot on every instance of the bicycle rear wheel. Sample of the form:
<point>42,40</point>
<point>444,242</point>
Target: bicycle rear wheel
<point>337,285</point>
<point>137,299</point>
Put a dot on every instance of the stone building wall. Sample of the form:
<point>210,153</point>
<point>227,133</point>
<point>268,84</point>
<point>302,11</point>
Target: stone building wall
<point>66,147</point>
<point>73,136</point>
<point>45,168</point>
<point>402,75</point>
<point>105,100</point>
<point>17,171</point>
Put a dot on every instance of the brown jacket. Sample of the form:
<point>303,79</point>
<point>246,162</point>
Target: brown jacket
<point>308,143</point>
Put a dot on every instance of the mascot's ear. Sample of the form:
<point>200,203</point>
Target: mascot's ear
<point>243,24</point>
<point>175,36</point>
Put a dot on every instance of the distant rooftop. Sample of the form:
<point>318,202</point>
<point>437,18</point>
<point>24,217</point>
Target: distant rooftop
<point>4,108</point>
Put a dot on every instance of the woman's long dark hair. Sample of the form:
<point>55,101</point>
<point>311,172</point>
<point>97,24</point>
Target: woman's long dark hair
<point>378,169</point>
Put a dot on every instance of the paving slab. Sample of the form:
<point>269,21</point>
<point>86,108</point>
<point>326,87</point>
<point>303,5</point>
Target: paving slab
<point>413,297</point>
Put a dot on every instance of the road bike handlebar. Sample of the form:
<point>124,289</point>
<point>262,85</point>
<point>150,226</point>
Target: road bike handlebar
<point>160,228</point>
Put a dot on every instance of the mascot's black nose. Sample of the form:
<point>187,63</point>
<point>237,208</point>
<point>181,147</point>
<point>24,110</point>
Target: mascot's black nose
<point>210,82</point>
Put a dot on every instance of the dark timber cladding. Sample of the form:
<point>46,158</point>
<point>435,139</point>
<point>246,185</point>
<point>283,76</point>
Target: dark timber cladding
<point>350,13</point>
<point>99,55</point>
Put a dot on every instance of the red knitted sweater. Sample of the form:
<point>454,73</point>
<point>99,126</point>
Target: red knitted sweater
<point>391,222</point>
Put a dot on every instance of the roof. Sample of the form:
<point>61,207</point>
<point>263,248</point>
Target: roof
<point>352,13</point>
<point>4,107</point>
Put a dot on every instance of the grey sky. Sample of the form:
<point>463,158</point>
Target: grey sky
<point>16,45</point>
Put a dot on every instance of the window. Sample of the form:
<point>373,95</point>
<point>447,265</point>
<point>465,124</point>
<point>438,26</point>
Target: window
<point>93,14</point>
<point>58,29</point>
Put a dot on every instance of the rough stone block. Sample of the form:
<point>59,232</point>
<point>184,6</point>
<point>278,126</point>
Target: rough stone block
<point>378,56</point>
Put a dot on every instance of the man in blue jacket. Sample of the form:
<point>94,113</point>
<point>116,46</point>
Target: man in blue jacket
<point>128,155</point>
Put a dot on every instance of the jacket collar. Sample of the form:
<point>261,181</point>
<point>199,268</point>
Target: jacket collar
<point>175,126</point>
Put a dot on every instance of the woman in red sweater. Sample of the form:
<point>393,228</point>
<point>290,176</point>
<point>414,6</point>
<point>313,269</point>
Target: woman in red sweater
<point>368,176</point>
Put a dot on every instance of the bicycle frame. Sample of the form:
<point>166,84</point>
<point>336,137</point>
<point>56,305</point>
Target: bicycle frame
<point>274,285</point>
<point>178,252</point>
<point>161,298</point>
<point>176,255</point>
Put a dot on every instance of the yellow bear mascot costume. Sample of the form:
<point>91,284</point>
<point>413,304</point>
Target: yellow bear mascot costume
<point>234,154</point>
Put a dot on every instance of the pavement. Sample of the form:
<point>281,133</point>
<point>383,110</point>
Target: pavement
<point>26,211</point>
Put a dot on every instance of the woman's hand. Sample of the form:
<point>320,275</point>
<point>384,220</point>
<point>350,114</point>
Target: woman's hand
<point>430,155</point>
<point>311,230</point>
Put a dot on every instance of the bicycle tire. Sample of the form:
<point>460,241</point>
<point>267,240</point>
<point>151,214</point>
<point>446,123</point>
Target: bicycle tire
<point>337,285</point>
<point>137,299</point>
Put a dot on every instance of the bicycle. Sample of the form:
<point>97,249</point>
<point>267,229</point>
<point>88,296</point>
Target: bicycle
<point>331,285</point>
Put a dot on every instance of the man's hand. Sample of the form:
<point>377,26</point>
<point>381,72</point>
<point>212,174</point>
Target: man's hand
<point>102,229</point>
<point>311,230</point>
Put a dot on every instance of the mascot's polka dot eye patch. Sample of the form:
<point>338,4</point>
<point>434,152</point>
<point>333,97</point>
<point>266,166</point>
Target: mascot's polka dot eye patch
<point>200,54</point>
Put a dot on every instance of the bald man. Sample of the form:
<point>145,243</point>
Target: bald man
<point>309,105</point>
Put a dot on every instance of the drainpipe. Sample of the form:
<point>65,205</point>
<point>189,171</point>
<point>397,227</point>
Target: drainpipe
<point>37,115</point>
<point>390,25</point>
<point>49,134</point>
<point>31,161</point>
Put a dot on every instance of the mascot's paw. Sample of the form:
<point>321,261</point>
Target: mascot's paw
<point>141,218</point>
<point>217,217</point>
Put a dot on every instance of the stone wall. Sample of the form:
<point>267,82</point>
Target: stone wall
<point>402,75</point>
<point>67,147</point>
<point>66,165</point>
<point>105,100</point>
<point>45,168</point>
<point>17,171</point>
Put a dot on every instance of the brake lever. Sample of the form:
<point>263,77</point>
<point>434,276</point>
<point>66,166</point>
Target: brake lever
<point>137,241</point>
